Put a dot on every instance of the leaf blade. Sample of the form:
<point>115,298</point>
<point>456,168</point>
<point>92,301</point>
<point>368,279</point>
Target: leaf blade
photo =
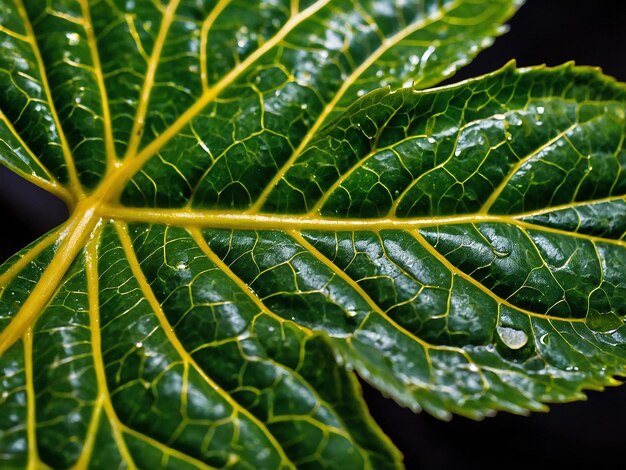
<point>219,302</point>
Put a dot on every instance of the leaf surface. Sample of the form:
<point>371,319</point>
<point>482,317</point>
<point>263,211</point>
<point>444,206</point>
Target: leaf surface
<point>247,229</point>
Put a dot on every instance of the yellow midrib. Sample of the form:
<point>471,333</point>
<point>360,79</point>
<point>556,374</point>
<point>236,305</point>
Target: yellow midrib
<point>242,220</point>
<point>91,210</point>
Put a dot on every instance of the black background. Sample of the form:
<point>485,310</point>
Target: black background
<point>578,435</point>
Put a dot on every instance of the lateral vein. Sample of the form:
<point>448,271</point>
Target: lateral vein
<point>319,122</point>
<point>206,249</point>
<point>75,234</point>
<point>457,272</point>
<point>74,182</point>
<point>95,57</point>
<point>146,89</point>
<point>51,185</point>
<point>127,246</point>
<point>93,293</point>
<point>132,165</point>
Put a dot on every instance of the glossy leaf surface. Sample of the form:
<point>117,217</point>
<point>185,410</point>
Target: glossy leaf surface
<point>247,229</point>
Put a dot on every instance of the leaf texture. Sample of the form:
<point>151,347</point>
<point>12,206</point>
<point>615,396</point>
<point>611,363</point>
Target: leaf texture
<point>247,230</point>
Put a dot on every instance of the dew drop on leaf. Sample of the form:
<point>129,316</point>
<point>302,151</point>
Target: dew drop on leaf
<point>512,338</point>
<point>501,254</point>
<point>73,38</point>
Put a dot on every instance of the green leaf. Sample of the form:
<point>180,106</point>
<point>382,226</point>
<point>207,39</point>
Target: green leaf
<point>246,229</point>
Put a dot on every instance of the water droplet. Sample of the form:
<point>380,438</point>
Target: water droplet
<point>77,100</point>
<point>73,38</point>
<point>182,266</point>
<point>512,338</point>
<point>242,37</point>
<point>305,78</point>
<point>193,68</point>
<point>414,60</point>
<point>541,109</point>
<point>379,73</point>
<point>5,394</point>
<point>501,254</point>
<point>360,93</point>
<point>139,344</point>
<point>351,313</point>
<point>304,106</point>
<point>431,140</point>
<point>457,152</point>
<point>499,117</point>
<point>473,367</point>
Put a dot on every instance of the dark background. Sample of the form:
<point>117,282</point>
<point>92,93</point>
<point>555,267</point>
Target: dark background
<point>578,435</point>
